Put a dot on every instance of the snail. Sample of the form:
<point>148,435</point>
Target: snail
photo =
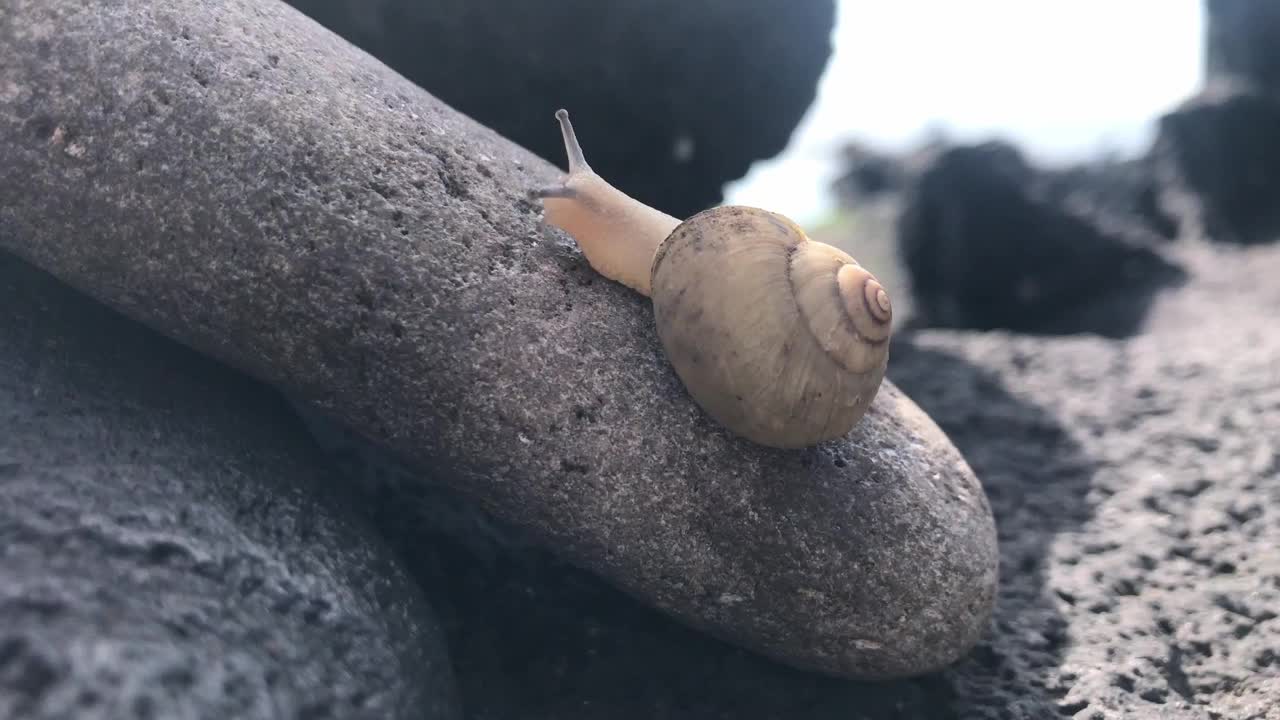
<point>781,339</point>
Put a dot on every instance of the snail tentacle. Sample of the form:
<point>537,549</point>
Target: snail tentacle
<point>564,192</point>
<point>578,165</point>
<point>617,234</point>
<point>782,339</point>
<point>577,160</point>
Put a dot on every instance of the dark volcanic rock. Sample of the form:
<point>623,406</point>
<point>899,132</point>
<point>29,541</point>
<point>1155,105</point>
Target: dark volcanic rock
<point>868,173</point>
<point>989,244</point>
<point>1219,153</point>
<point>242,179</point>
<point>1241,42</point>
<point>1135,485</point>
<point>1137,518</point>
<point>168,548</point>
<point>675,98</point>
<point>1121,195</point>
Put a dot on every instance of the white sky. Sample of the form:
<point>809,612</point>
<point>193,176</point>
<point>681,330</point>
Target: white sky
<point>1062,79</point>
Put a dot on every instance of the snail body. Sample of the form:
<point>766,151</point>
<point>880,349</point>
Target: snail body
<point>781,339</point>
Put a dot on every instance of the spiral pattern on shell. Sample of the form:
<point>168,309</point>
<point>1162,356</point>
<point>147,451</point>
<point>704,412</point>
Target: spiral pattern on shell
<point>782,339</point>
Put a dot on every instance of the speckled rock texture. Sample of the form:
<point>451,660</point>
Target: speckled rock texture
<point>990,242</point>
<point>170,546</point>
<point>1137,498</point>
<point>239,177</point>
<point>1136,486</point>
<point>674,98</point>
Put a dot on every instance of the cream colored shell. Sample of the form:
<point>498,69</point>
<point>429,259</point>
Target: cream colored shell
<point>782,339</point>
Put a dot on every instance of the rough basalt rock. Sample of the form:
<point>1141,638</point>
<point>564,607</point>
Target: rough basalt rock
<point>1135,489</point>
<point>675,98</point>
<point>244,180</point>
<point>170,546</point>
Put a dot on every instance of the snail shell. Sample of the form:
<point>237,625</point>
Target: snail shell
<point>782,339</point>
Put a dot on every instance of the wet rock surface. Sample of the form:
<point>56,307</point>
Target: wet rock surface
<point>354,242</point>
<point>989,242</point>
<point>170,546</point>
<point>657,86</point>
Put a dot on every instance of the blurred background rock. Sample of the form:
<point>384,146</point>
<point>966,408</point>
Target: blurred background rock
<point>828,111</point>
<point>1082,124</point>
<point>672,98</point>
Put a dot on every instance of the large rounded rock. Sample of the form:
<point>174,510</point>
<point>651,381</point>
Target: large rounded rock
<point>208,169</point>
<point>988,243</point>
<point>675,98</point>
<point>169,547</point>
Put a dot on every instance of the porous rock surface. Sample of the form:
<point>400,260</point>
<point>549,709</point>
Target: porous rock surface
<point>990,242</point>
<point>170,546</point>
<point>242,179</point>
<point>1136,485</point>
<point>673,98</point>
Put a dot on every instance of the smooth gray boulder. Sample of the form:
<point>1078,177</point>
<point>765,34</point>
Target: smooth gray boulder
<point>169,545</point>
<point>241,178</point>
